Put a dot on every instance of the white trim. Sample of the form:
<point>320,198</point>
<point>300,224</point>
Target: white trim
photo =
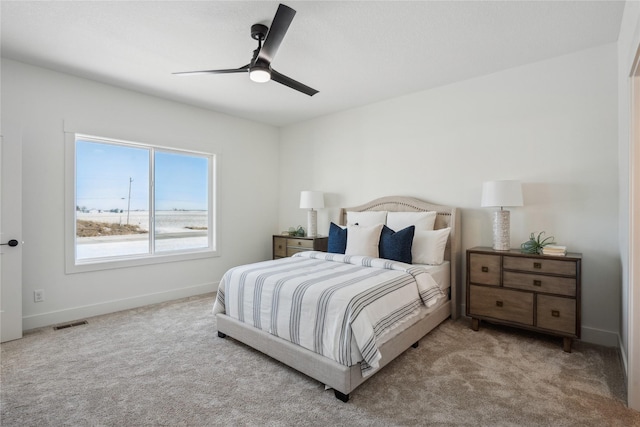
<point>73,266</point>
<point>82,312</point>
<point>600,337</point>
<point>633,349</point>
<point>590,335</point>
<point>623,355</point>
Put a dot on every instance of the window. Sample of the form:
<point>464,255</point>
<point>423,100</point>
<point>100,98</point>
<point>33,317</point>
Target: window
<point>136,204</point>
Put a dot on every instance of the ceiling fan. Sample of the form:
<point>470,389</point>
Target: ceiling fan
<point>260,66</point>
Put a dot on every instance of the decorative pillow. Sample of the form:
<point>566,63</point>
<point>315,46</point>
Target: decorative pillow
<point>422,220</point>
<point>337,239</point>
<point>396,245</point>
<point>366,218</point>
<point>428,246</point>
<point>363,240</point>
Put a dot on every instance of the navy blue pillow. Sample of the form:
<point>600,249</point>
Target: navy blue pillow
<point>396,245</point>
<point>337,239</point>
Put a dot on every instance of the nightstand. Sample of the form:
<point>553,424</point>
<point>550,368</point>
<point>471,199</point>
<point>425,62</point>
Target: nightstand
<point>284,246</point>
<point>535,292</point>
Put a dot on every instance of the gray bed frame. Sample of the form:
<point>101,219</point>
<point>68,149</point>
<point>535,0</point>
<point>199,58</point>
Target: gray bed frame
<point>344,379</point>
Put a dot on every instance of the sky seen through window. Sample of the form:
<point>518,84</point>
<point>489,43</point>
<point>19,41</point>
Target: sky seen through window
<point>104,173</point>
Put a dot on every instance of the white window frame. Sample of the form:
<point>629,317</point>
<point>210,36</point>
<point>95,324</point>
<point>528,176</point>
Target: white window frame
<point>72,265</point>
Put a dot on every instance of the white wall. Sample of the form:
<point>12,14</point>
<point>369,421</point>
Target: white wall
<point>42,102</point>
<point>628,44</point>
<point>551,124</point>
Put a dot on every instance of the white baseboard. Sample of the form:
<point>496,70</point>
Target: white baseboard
<point>600,337</point>
<point>76,313</point>
<point>623,357</point>
<point>590,335</point>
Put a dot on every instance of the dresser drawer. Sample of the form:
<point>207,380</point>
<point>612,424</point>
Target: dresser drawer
<point>279,247</point>
<point>556,314</point>
<point>484,269</point>
<point>501,304</point>
<point>540,283</point>
<point>300,243</point>
<point>293,250</point>
<point>286,246</point>
<point>540,265</point>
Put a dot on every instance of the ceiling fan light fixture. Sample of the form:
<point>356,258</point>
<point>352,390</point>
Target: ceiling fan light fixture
<point>260,66</point>
<point>260,74</point>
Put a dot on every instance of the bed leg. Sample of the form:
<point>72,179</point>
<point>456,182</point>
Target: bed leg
<point>415,344</point>
<point>341,396</point>
<point>221,335</point>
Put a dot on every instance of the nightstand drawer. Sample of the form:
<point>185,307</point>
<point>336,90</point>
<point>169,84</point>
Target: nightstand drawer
<point>300,243</point>
<point>567,268</point>
<point>502,304</point>
<point>540,283</point>
<point>484,269</point>
<point>286,246</point>
<point>557,314</point>
<point>293,250</point>
<point>279,247</point>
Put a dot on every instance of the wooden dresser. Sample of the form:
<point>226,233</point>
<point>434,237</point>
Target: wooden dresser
<point>284,246</point>
<point>536,292</point>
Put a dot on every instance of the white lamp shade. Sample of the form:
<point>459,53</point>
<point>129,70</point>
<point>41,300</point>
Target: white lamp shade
<point>501,193</point>
<point>311,200</point>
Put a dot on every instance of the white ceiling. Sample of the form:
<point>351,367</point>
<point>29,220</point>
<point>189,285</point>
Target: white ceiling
<point>354,53</point>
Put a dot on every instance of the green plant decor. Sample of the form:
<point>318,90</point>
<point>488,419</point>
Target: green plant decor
<point>297,232</point>
<point>535,243</point>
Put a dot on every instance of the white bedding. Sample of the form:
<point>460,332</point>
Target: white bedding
<point>335,305</point>
<point>440,273</point>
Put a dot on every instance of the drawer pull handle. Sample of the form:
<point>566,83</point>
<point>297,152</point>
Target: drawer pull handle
<point>537,265</point>
<point>498,303</point>
<point>485,269</point>
<point>555,313</point>
<point>299,243</point>
<point>537,283</point>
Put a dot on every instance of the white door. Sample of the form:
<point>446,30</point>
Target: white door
<point>10,232</point>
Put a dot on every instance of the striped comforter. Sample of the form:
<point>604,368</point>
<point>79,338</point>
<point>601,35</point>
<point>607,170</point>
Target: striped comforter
<point>335,305</point>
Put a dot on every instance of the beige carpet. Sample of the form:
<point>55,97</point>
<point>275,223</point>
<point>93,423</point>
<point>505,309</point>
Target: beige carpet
<point>164,365</point>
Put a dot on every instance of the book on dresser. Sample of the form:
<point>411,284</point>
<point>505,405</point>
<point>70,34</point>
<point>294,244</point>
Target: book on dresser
<point>535,292</point>
<point>556,250</point>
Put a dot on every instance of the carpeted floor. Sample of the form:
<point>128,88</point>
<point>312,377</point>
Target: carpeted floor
<point>164,365</point>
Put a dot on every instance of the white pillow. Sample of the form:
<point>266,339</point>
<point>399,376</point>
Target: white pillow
<point>422,220</point>
<point>366,218</point>
<point>363,240</point>
<point>428,246</point>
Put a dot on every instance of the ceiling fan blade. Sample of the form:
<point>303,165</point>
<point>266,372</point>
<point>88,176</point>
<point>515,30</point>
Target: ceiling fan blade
<point>287,81</point>
<point>279,26</point>
<point>228,71</point>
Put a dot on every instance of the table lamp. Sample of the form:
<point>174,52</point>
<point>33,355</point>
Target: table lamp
<point>501,193</point>
<point>312,200</point>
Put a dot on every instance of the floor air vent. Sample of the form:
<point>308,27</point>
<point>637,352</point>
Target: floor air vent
<point>70,325</point>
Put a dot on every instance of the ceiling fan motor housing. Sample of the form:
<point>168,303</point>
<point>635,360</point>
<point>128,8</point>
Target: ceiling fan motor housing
<point>259,31</point>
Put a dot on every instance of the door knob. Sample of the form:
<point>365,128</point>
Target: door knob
<point>12,242</point>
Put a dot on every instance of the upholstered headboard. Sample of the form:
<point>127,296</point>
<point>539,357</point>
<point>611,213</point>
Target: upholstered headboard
<point>446,216</point>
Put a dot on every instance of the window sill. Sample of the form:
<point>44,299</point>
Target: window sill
<point>115,263</point>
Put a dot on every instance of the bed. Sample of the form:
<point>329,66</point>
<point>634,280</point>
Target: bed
<point>351,362</point>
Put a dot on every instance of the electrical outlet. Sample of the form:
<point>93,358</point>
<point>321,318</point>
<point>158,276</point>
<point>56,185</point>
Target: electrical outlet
<point>38,295</point>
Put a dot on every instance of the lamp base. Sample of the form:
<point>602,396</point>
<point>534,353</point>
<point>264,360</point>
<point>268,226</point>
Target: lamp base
<point>501,226</point>
<point>312,223</point>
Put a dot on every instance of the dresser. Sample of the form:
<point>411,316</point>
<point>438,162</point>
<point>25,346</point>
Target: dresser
<point>535,292</point>
<point>284,246</point>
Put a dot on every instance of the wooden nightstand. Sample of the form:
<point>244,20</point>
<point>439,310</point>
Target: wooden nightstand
<point>536,292</point>
<point>284,246</point>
